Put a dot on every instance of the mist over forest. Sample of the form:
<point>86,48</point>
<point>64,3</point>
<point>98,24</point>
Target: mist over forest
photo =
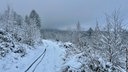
<point>63,36</point>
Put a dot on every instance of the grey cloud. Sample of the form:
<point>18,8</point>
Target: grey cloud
<point>65,13</point>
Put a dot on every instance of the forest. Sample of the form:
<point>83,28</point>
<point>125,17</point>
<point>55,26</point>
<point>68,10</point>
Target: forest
<point>94,50</point>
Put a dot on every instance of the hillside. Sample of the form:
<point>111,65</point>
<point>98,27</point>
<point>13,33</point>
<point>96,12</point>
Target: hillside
<point>51,62</point>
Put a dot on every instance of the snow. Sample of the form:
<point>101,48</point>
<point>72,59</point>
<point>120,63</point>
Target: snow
<point>53,59</point>
<point>74,63</point>
<point>51,62</point>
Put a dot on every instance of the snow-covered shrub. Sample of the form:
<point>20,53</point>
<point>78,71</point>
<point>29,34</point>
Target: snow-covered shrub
<point>87,60</point>
<point>9,44</point>
<point>20,50</point>
<point>65,69</point>
<point>6,43</point>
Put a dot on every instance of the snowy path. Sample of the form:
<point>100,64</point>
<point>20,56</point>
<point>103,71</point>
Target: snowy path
<point>51,62</point>
<point>53,58</point>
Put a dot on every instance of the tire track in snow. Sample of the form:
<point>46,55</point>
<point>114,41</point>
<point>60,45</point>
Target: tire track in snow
<point>52,59</point>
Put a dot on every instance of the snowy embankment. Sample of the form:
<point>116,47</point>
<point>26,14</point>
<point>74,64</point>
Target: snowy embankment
<point>51,62</point>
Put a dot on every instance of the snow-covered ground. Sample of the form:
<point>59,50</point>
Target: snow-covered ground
<point>52,61</point>
<point>49,56</point>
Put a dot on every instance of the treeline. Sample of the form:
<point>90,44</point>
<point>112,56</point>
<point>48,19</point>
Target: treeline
<point>18,33</point>
<point>23,29</point>
<point>103,50</point>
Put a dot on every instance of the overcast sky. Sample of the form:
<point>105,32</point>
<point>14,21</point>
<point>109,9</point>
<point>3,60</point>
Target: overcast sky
<point>64,14</point>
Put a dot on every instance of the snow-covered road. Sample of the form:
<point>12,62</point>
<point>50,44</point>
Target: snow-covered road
<point>52,61</point>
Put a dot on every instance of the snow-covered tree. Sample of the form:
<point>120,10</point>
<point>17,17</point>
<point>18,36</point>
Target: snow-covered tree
<point>90,32</point>
<point>112,41</point>
<point>96,42</point>
<point>11,22</point>
<point>35,17</point>
<point>32,32</point>
<point>77,34</point>
<point>27,19</point>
